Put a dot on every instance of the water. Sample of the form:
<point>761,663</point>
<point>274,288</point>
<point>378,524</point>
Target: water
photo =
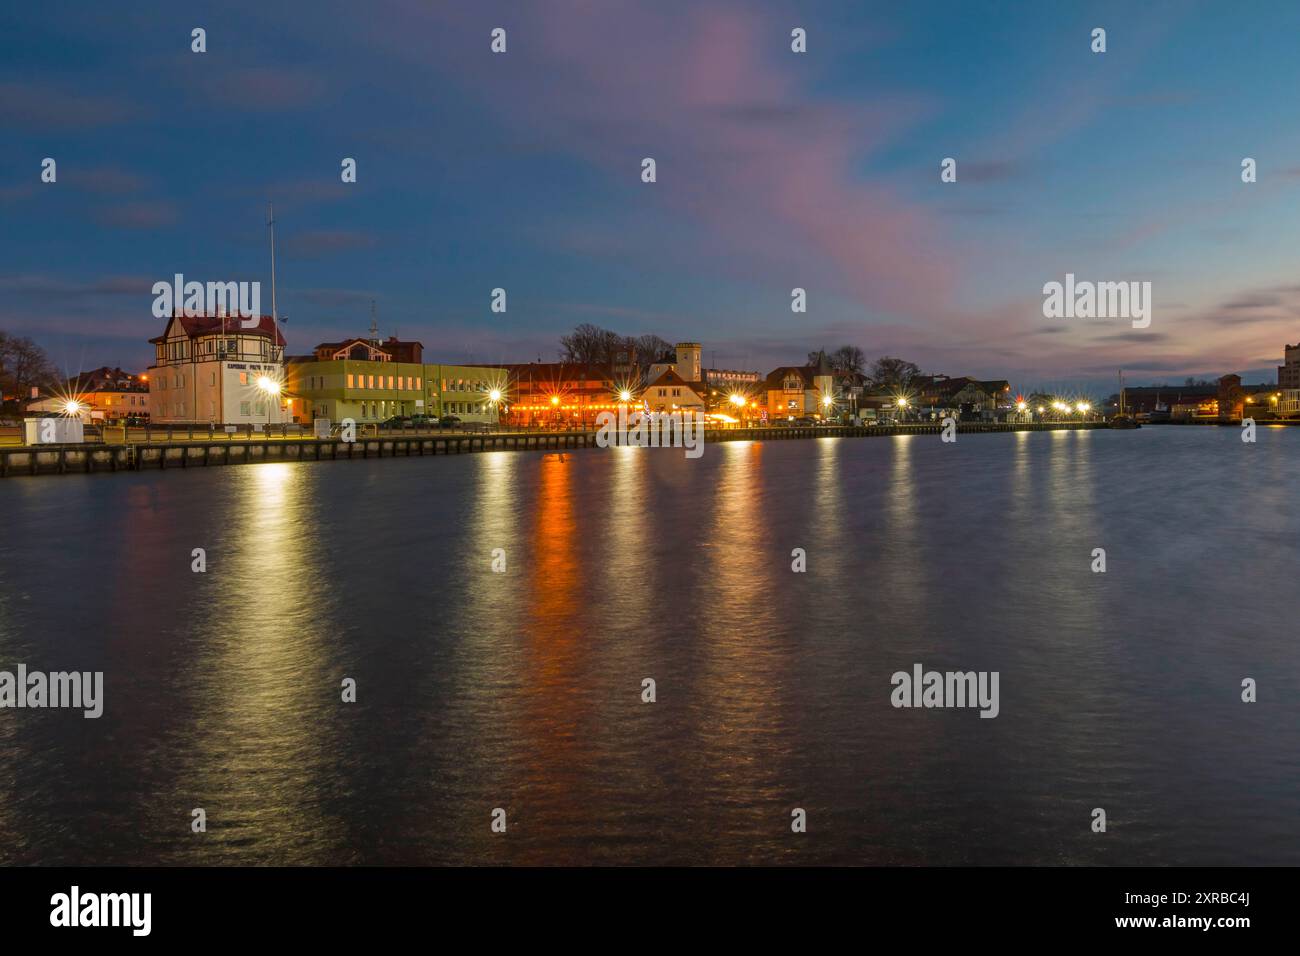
<point>522,690</point>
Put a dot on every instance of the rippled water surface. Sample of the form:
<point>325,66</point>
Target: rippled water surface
<point>522,689</point>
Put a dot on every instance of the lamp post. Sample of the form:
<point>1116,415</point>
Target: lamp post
<point>269,388</point>
<point>739,402</point>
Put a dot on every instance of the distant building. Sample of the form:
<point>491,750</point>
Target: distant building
<point>103,394</point>
<point>1288,373</point>
<point>371,350</point>
<point>211,370</point>
<point>798,391</point>
<point>560,394</point>
<point>671,392</point>
<point>369,381</point>
<point>961,397</point>
<point>366,390</point>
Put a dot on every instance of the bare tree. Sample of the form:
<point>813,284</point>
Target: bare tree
<point>23,364</point>
<point>889,372</point>
<point>649,348</point>
<point>590,345</point>
<point>846,358</point>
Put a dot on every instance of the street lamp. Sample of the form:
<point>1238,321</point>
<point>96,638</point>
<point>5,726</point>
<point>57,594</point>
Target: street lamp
<point>270,388</point>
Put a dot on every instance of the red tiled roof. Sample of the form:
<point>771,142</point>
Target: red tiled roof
<point>669,377</point>
<point>197,325</point>
<point>776,378</point>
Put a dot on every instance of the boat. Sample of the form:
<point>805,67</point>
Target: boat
<point>1123,420</point>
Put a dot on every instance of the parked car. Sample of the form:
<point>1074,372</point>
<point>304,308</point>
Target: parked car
<point>448,421</point>
<point>805,420</point>
<point>397,421</point>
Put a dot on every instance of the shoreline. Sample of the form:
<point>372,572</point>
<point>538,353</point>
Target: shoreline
<point>35,460</point>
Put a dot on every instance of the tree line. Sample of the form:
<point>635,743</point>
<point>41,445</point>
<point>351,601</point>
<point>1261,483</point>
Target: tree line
<point>590,344</point>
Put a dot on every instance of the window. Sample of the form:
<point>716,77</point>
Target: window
<point>351,377</point>
<point>214,379</point>
<point>243,378</point>
<point>243,409</point>
<point>372,381</point>
<point>260,409</point>
<point>390,382</point>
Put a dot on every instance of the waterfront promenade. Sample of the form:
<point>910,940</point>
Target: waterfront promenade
<point>191,448</point>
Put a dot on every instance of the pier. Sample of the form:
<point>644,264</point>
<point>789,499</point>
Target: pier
<point>16,460</point>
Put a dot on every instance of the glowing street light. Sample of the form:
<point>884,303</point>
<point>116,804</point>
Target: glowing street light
<point>268,385</point>
<point>738,400</point>
<point>555,399</point>
<point>1021,406</point>
<point>494,396</point>
<point>1083,408</point>
<point>72,407</point>
<point>625,395</point>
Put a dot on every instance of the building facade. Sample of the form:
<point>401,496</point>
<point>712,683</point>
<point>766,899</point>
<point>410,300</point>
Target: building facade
<point>372,381</point>
<point>212,370</point>
<point>102,395</point>
<point>561,395</point>
<point>363,390</point>
<point>670,392</point>
<point>1288,373</point>
<point>798,391</point>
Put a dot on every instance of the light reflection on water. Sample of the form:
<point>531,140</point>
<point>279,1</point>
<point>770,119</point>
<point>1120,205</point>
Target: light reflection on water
<point>522,689</point>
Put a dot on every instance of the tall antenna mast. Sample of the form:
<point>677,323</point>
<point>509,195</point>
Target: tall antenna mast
<point>374,324</point>
<point>275,322</point>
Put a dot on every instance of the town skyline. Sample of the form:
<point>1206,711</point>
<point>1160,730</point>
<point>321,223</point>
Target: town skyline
<point>776,171</point>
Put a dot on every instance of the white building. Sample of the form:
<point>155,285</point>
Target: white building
<point>212,370</point>
<point>669,392</point>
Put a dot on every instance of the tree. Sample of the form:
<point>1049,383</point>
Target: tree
<point>848,358</point>
<point>648,348</point>
<point>590,345</point>
<point>889,372</point>
<point>23,364</point>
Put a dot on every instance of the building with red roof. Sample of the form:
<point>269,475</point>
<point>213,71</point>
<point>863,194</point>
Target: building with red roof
<point>212,369</point>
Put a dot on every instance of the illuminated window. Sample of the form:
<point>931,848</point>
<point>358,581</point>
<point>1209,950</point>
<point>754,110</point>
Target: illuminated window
<point>350,380</point>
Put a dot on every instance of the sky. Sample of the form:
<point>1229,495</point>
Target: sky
<point>775,170</point>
